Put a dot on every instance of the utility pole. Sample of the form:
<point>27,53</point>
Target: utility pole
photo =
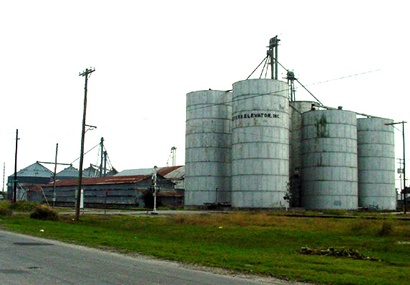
<point>85,73</point>
<point>404,169</point>
<point>404,164</point>
<point>54,178</point>
<point>400,172</point>
<point>4,175</point>
<point>15,169</point>
<point>102,157</point>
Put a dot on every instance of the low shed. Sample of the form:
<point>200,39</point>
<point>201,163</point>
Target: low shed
<point>112,192</point>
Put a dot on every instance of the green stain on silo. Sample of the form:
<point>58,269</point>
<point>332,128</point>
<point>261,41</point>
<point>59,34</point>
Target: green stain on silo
<point>321,127</point>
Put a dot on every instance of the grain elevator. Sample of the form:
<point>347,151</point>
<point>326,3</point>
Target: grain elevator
<point>257,147</point>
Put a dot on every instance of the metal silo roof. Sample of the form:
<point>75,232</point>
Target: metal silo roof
<point>69,172</point>
<point>35,170</point>
<point>131,172</point>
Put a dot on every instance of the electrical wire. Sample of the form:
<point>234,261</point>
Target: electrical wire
<point>86,153</point>
<point>344,77</point>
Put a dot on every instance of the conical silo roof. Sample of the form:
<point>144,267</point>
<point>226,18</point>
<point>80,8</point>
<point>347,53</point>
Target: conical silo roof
<point>35,170</point>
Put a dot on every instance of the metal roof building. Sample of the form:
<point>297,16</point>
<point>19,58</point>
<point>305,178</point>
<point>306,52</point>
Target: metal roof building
<point>111,191</point>
<point>35,173</point>
<point>174,173</point>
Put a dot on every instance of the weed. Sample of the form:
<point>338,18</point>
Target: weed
<point>387,228</point>
<point>24,206</point>
<point>362,227</point>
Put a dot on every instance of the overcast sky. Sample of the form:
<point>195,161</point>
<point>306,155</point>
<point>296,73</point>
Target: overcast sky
<point>148,54</point>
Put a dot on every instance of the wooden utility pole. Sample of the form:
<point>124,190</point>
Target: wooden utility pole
<point>102,157</point>
<point>4,175</point>
<point>404,167</point>
<point>15,169</point>
<point>54,177</point>
<point>85,73</point>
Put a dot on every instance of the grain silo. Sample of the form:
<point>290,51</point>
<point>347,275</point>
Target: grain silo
<point>260,143</point>
<point>208,147</point>
<point>297,108</point>
<point>376,161</point>
<point>329,160</point>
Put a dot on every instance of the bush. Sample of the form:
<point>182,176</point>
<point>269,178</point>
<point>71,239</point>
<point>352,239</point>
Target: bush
<point>44,212</point>
<point>5,209</point>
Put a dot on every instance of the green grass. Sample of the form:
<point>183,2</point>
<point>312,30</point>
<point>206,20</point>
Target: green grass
<point>253,242</point>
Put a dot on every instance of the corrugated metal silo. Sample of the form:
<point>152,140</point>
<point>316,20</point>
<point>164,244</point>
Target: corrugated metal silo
<point>376,160</point>
<point>208,147</point>
<point>260,143</point>
<point>297,108</point>
<point>329,160</point>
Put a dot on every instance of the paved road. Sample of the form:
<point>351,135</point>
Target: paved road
<point>28,260</point>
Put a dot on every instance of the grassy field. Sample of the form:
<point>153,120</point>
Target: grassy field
<point>263,243</point>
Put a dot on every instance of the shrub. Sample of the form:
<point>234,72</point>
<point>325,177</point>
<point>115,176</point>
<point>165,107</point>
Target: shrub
<point>44,212</point>
<point>5,209</point>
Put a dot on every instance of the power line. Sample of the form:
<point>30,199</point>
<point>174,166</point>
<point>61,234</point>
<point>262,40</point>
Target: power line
<point>85,153</point>
<point>344,77</point>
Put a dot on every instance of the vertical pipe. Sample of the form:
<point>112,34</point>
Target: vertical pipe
<point>154,182</point>
<point>276,62</point>
<point>174,155</point>
<point>272,67</point>
<point>105,163</point>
